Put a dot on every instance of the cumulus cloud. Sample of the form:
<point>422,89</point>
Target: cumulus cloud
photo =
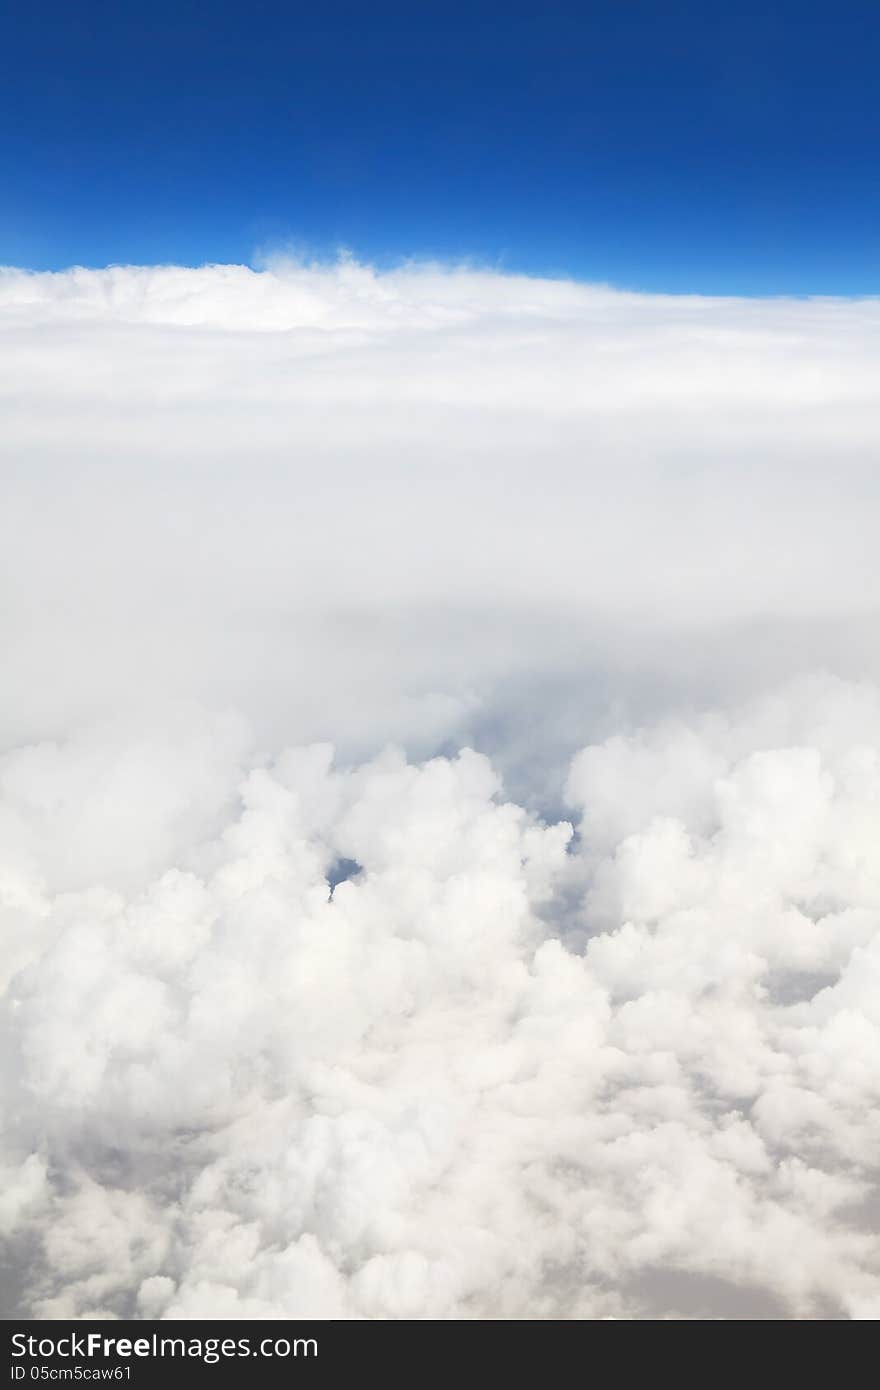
<point>438,798</point>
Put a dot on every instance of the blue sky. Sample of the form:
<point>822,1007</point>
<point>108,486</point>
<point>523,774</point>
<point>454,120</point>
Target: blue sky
<point>728,148</point>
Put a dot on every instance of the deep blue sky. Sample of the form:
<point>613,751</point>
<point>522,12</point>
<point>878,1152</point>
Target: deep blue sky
<point>724,146</point>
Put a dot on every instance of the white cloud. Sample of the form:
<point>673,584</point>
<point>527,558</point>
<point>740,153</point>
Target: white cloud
<point>503,1069</point>
<point>218,480</point>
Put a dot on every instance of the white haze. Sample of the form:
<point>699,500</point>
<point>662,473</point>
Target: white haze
<point>538,622</point>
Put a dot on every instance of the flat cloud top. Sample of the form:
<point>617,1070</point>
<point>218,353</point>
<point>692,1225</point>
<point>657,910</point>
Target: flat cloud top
<point>450,473</point>
<point>552,992</point>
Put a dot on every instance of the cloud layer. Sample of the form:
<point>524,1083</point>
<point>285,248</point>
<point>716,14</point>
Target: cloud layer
<point>418,481</point>
<point>552,990</point>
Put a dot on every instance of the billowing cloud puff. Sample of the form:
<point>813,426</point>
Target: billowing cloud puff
<point>489,1072</point>
<point>552,990</point>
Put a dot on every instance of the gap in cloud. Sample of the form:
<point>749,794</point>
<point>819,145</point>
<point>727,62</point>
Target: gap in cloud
<point>342,871</point>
